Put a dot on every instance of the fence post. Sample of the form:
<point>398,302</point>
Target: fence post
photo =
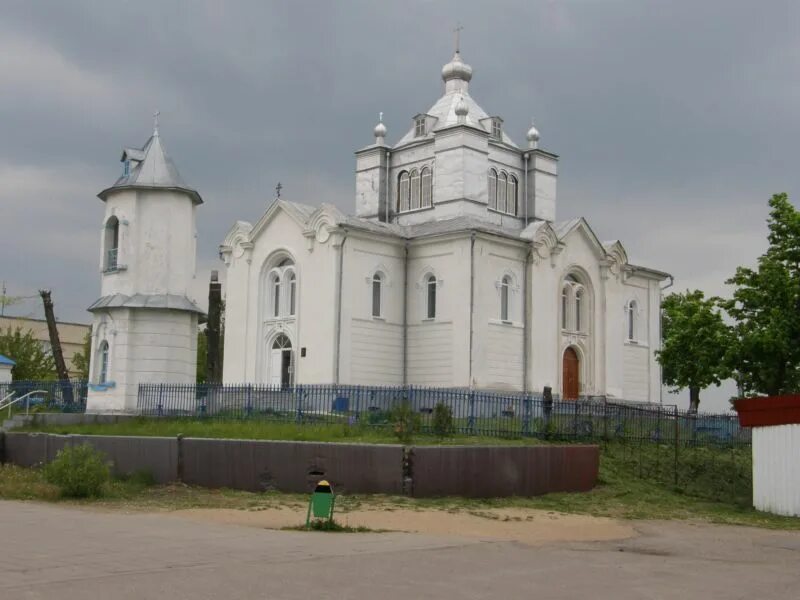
<point>526,421</point>
<point>161,400</point>
<point>677,439</point>
<point>249,409</point>
<point>471,420</point>
<point>298,396</point>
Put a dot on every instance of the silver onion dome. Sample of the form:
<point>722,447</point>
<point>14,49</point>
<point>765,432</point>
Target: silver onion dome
<point>456,69</point>
<point>461,108</point>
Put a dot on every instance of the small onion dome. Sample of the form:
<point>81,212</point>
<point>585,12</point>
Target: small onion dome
<point>456,69</point>
<point>533,134</point>
<point>461,108</point>
<point>380,130</point>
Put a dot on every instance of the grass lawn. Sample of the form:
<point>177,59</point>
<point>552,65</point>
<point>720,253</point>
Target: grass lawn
<point>267,430</point>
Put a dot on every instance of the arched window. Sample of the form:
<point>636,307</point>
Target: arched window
<point>377,284</point>
<point>292,292</point>
<point>502,184</point>
<point>402,192</point>
<point>578,308</point>
<point>102,376</point>
<point>493,189</point>
<point>414,189</point>
<point>275,283</point>
<point>511,196</point>
<point>631,318</point>
<point>505,286</point>
<point>427,188</point>
<point>564,307</point>
<point>111,258</point>
<point>430,283</point>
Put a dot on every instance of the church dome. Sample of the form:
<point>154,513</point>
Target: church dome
<point>380,130</point>
<point>456,69</point>
<point>533,134</point>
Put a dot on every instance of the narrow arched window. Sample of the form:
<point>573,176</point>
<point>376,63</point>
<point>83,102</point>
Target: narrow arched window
<point>492,189</point>
<point>276,296</point>
<point>564,306</point>
<point>102,376</point>
<point>502,184</point>
<point>402,192</point>
<point>377,283</point>
<point>578,309</point>
<point>111,259</point>
<point>431,289</point>
<point>414,189</point>
<point>292,292</point>
<point>427,188</point>
<point>511,196</point>
<point>505,286</point>
<point>631,320</point>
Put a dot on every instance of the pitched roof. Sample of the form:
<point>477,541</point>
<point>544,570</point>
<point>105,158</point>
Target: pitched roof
<point>166,301</point>
<point>4,360</point>
<point>151,167</point>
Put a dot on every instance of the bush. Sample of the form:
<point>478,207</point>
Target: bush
<point>405,422</point>
<point>442,420</point>
<point>78,471</point>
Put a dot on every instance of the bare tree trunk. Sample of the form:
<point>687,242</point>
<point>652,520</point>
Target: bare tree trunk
<point>55,345</point>
<point>213,356</point>
<point>694,399</point>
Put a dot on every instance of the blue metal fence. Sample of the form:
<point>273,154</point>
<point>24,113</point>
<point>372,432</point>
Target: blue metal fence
<point>473,412</point>
<point>64,396</point>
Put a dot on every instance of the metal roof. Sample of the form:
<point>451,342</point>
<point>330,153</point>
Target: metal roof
<point>165,301</point>
<point>4,360</point>
<point>151,167</point>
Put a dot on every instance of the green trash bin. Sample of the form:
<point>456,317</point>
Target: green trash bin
<point>321,504</point>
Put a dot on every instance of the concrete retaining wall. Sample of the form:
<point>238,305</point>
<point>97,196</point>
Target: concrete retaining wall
<point>293,466</point>
<point>156,455</point>
<point>255,465</point>
<point>499,471</point>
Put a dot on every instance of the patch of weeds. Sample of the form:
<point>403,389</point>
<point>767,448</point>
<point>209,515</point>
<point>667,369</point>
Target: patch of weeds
<point>79,472</point>
<point>332,526</point>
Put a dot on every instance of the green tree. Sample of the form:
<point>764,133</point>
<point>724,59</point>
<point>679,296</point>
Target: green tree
<point>32,361</point>
<point>81,359</point>
<point>695,341</point>
<point>202,354</point>
<point>766,309</point>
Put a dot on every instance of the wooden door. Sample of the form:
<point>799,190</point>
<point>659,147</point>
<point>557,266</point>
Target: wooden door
<point>275,367</point>
<point>570,380</point>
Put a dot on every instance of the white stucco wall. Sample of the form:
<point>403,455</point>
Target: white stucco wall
<point>776,469</point>
<point>145,346</point>
<point>5,373</point>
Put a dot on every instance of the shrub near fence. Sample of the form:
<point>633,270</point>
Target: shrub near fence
<point>63,396</point>
<point>473,412</point>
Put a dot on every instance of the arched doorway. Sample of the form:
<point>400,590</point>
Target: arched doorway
<point>280,364</point>
<point>570,382</point>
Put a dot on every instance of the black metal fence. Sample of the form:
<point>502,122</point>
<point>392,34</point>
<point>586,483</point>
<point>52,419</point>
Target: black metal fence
<point>50,395</point>
<point>472,412</point>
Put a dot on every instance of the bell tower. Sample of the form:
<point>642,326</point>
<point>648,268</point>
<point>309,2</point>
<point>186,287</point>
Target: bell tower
<point>144,327</point>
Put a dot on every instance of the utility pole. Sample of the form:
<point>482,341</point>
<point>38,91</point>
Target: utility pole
<point>55,344</point>
<point>213,362</point>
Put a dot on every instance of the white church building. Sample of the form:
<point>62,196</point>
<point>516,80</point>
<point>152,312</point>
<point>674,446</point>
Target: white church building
<point>453,272</point>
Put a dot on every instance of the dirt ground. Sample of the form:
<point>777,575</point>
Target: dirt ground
<point>528,526</point>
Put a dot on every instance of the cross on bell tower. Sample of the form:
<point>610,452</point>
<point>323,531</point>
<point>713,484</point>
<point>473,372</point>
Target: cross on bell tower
<point>278,189</point>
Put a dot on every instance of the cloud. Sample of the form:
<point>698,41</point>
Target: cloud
<point>674,121</point>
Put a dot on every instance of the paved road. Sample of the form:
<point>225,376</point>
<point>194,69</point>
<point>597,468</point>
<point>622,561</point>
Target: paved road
<point>56,552</point>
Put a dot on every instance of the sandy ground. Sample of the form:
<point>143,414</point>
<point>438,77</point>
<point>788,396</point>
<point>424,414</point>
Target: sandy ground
<point>528,526</point>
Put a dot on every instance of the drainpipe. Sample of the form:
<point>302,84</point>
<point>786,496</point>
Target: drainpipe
<point>338,332</point>
<point>388,155</point>
<point>471,301</point>
<point>660,336</point>
<point>526,188</point>
<point>405,316</point>
<point>526,335</point>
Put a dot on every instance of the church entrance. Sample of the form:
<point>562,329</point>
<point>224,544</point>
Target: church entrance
<point>570,380</point>
<point>280,366</point>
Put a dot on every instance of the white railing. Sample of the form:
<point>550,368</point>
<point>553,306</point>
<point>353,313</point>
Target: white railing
<point>26,397</point>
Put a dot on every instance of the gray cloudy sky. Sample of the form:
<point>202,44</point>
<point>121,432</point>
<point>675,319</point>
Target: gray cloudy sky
<point>675,120</point>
